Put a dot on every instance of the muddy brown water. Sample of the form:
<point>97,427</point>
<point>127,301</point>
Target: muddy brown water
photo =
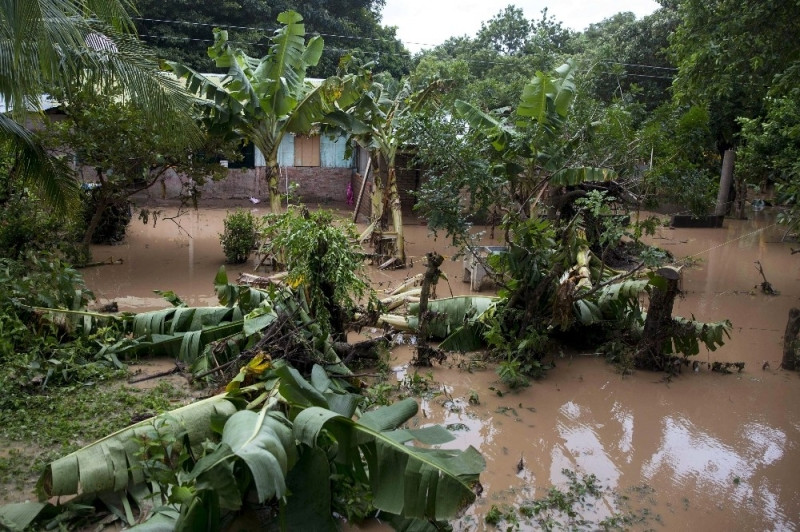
<point>702,451</point>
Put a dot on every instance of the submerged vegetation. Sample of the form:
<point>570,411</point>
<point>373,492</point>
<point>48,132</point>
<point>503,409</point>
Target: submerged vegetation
<point>516,127</point>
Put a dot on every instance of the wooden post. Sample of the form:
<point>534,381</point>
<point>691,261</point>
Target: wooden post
<point>790,360</point>
<point>361,190</point>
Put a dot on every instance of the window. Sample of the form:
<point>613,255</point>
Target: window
<point>306,150</point>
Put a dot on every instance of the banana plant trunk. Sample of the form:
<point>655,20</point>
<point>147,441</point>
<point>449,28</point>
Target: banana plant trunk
<point>273,177</point>
<point>397,213</point>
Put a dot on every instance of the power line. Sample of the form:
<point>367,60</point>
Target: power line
<point>641,66</point>
<point>177,38</point>
<point>345,50</point>
<point>255,28</point>
<point>357,37</point>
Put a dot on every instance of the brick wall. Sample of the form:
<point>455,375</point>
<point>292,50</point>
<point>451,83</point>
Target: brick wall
<point>315,184</point>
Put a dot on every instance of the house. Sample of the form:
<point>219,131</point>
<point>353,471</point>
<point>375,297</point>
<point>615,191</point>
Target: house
<point>313,168</point>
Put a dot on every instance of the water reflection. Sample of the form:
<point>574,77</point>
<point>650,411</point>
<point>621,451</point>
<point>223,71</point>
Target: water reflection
<point>696,460</point>
<point>582,446</point>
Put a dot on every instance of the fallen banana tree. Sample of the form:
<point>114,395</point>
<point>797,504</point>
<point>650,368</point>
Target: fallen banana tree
<point>282,438</point>
<point>275,437</point>
<point>470,323</point>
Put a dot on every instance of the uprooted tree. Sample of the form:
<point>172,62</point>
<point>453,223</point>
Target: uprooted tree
<point>289,423</point>
<point>555,283</point>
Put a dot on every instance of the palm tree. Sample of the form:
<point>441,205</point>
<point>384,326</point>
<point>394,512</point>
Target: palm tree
<point>54,46</point>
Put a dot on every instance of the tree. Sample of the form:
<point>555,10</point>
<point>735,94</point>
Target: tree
<point>730,55</point>
<point>265,99</point>
<point>533,154</point>
<point>627,59</point>
<point>49,46</point>
<point>125,151</point>
<point>351,27</point>
<point>770,151</point>
<point>491,69</point>
<point>378,122</point>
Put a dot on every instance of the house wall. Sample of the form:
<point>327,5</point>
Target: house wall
<point>318,171</point>
<point>314,184</point>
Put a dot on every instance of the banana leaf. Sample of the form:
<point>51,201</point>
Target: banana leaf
<point>264,442</point>
<point>458,322</point>
<point>107,464</point>
<point>18,516</point>
<point>408,481</point>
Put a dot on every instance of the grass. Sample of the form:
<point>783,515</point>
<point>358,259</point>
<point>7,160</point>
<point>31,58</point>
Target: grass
<point>41,427</point>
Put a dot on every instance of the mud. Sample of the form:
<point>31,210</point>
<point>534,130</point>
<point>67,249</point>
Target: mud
<point>700,451</point>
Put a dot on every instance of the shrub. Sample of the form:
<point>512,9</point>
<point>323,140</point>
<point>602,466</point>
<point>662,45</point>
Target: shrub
<point>239,236</point>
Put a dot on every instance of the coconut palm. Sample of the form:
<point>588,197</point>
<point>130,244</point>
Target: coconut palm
<point>54,46</point>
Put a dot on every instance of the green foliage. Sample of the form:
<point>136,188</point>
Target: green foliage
<point>300,440</point>
<point>491,68</point>
<point>47,423</point>
<point>511,375</point>
<point>114,219</point>
<point>178,40</point>
<point>239,236</point>
<point>771,152</point>
<point>321,258</point>
<point>563,508</point>
<point>47,51</point>
<point>450,162</point>
<point>37,346</point>
<point>715,52</point>
<point>121,150</point>
<point>626,58</point>
<point>262,100</point>
<point>26,224</point>
<point>684,158</point>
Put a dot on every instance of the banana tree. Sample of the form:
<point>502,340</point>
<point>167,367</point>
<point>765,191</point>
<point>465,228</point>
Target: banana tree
<point>263,100</point>
<point>534,153</point>
<point>375,122</point>
<point>176,474</point>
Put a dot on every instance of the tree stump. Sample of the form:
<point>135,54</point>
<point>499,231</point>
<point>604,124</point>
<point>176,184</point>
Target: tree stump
<point>429,280</point>
<point>790,360</point>
<point>659,325</point>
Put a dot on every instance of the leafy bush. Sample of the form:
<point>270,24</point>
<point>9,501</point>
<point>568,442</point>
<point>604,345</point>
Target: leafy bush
<point>239,236</point>
<point>113,222</point>
<point>318,252</point>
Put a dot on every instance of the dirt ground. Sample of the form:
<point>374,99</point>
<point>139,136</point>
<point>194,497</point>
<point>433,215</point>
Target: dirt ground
<point>700,451</point>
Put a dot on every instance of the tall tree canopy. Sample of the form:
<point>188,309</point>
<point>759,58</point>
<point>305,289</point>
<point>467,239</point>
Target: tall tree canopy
<point>730,53</point>
<point>492,68</point>
<point>180,31</point>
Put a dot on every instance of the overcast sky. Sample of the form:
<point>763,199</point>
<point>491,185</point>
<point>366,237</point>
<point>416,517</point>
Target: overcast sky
<point>426,23</point>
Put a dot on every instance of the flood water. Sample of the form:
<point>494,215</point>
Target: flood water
<point>701,451</point>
